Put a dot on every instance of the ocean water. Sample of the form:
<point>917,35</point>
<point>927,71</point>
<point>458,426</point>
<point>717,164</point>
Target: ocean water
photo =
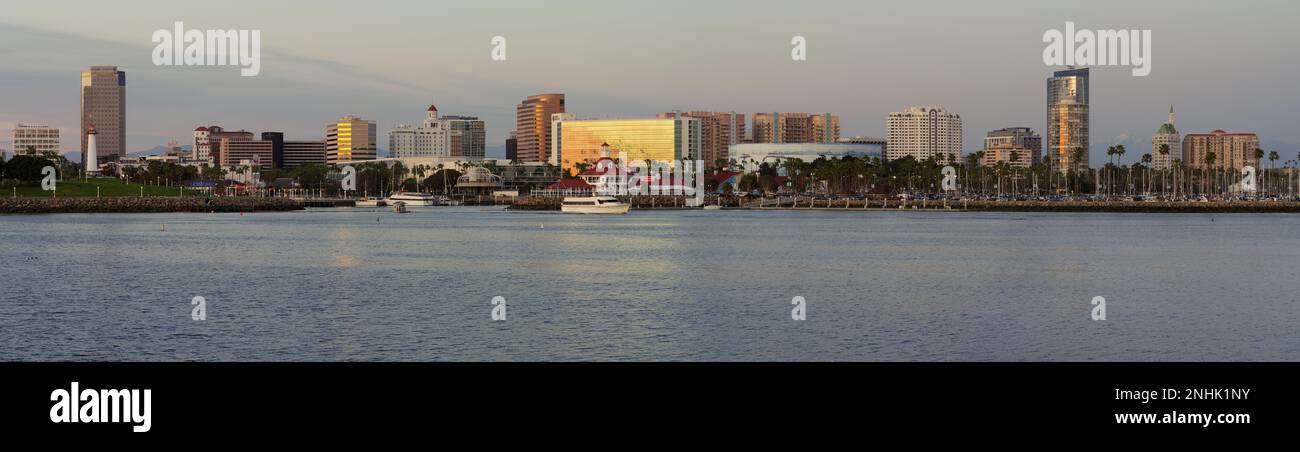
<point>371,285</point>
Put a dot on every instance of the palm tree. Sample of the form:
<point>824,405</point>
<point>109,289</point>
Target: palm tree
<point>1272,161</point>
<point>1119,152</point>
<point>419,170</point>
<point>1146,161</point>
<point>1209,162</point>
<point>1164,156</point>
<point>1076,156</point>
<point>442,169</point>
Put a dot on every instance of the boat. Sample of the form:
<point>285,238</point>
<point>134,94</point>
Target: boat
<point>594,205</point>
<point>414,199</point>
<point>400,207</point>
<point>371,202</point>
<point>713,207</point>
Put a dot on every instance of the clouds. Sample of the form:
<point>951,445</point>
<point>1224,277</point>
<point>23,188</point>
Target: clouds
<point>625,59</point>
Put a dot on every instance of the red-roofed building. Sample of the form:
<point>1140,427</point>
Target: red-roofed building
<point>568,187</point>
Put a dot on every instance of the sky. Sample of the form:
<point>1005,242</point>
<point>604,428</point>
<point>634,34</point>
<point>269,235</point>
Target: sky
<point>1222,65</point>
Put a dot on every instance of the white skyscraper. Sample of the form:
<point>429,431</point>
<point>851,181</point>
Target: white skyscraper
<point>923,133</point>
<point>1166,135</point>
<point>434,138</point>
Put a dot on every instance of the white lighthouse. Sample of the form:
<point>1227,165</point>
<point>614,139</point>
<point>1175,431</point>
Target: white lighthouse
<point>92,157</point>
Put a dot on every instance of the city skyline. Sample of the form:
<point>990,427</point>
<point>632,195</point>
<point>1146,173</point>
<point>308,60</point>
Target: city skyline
<point>843,74</point>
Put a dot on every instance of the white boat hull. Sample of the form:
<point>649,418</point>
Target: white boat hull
<point>606,209</point>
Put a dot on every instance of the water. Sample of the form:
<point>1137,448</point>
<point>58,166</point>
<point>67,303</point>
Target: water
<point>358,284</point>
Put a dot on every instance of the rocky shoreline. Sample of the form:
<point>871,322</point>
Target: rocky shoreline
<point>146,205</point>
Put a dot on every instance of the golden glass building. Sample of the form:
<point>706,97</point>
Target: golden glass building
<point>1067,119</point>
<point>660,140</point>
<point>350,139</point>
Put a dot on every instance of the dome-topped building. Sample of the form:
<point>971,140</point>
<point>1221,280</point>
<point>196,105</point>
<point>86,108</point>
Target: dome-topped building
<point>1166,135</point>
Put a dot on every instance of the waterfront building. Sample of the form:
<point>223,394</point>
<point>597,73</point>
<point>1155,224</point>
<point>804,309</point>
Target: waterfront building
<point>1168,135</point>
<point>103,106</point>
<point>36,140</point>
<point>924,133</point>
<point>719,131</point>
<point>350,139</point>
<point>1018,146</point>
<point>778,128</point>
<point>1231,150</point>
<point>750,155</point>
<point>1068,121</point>
<point>533,125</point>
<point>578,141</point>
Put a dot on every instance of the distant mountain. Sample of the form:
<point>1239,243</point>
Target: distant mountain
<point>157,150</point>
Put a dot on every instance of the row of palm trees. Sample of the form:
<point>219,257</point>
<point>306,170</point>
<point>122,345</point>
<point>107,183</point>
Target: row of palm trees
<point>1004,178</point>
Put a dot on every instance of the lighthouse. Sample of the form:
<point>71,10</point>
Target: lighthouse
<point>92,157</point>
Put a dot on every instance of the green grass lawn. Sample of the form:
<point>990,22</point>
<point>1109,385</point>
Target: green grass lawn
<point>107,187</point>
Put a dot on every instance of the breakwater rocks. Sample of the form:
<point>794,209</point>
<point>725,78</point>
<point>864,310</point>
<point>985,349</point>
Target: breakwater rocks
<point>536,203</point>
<point>1029,206</point>
<point>1132,206</point>
<point>146,204</point>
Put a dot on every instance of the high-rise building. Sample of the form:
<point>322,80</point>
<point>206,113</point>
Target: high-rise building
<point>303,152</point>
<point>658,140</point>
<point>236,152</point>
<point>925,133</point>
<point>36,140</point>
<point>430,139</point>
<point>780,128</point>
<point>350,139</point>
<point>207,143</point>
<point>1018,146</point>
<point>533,125</point>
<point>201,149</point>
<point>1231,150</point>
<point>719,131</point>
<point>1067,119</point>
<point>470,134</point>
<point>103,105</point>
<point>1167,135</point>
<point>512,146</point>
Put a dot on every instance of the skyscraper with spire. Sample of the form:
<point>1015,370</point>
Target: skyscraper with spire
<point>1166,135</point>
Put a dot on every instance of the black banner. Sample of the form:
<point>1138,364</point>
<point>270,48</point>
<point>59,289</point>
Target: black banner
<point>361,399</point>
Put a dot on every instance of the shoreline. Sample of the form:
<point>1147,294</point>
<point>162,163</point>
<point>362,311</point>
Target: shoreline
<point>146,205</point>
<point>1047,206</point>
<point>255,204</point>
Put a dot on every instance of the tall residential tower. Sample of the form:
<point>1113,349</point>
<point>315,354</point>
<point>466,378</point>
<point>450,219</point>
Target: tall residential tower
<point>924,133</point>
<point>1067,120</point>
<point>533,125</point>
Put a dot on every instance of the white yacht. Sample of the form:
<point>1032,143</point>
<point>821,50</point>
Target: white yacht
<point>594,204</point>
<point>414,199</point>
